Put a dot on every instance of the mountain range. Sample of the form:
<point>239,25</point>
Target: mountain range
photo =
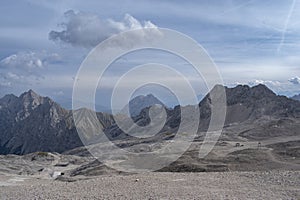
<point>31,123</point>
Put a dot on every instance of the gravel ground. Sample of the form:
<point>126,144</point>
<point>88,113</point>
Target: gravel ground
<point>217,185</point>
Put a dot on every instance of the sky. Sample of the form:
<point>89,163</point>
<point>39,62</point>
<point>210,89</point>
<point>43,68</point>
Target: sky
<point>43,43</point>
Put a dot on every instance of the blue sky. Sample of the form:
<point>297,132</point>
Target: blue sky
<point>44,42</point>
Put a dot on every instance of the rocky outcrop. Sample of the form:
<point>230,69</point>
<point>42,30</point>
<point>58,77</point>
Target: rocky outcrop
<point>296,97</point>
<point>30,123</point>
<point>251,103</point>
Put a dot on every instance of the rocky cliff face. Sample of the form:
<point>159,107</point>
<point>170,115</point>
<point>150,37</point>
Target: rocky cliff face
<point>244,102</point>
<point>251,103</point>
<point>33,123</point>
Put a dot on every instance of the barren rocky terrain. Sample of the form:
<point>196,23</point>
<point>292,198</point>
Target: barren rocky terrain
<point>271,171</point>
<point>256,157</point>
<point>213,185</point>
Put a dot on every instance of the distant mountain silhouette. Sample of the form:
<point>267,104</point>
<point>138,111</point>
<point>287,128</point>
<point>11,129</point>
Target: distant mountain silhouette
<point>296,97</point>
<point>138,103</point>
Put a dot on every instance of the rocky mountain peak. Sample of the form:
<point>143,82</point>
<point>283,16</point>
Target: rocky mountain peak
<point>137,104</point>
<point>244,103</point>
<point>32,98</point>
<point>31,122</point>
<point>30,95</point>
<point>262,91</point>
<point>244,93</point>
<point>150,96</point>
<point>8,99</point>
<point>29,101</point>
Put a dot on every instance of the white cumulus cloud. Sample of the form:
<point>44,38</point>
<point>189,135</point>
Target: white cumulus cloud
<point>295,80</point>
<point>265,82</point>
<point>87,29</point>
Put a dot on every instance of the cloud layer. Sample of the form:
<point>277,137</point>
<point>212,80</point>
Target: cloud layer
<point>25,68</point>
<point>295,80</point>
<point>30,60</point>
<point>87,29</point>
